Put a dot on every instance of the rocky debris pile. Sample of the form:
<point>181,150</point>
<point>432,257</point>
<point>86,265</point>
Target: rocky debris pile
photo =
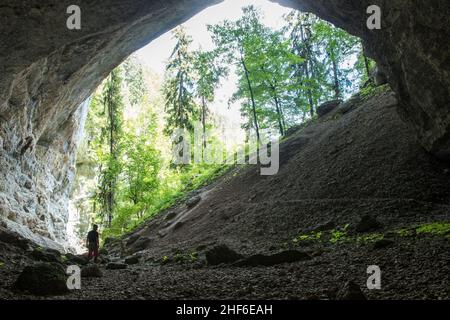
<point>76,259</point>
<point>116,266</point>
<point>139,244</point>
<point>46,255</point>
<point>170,215</point>
<point>221,254</point>
<point>287,256</point>
<point>42,279</point>
<point>327,107</point>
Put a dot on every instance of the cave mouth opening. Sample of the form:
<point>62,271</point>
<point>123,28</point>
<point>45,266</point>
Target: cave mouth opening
<point>143,77</point>
<point>49,73</point>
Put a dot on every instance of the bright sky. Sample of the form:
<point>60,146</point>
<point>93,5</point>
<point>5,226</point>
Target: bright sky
<point>158,51</point>
<point>156,54</point>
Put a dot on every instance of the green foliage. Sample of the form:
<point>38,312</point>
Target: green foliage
<point>165,260</point>
<point>432,228</point>
<point>312,236</point>
<point>371,90</point>
<point>193,256</point>
<point>135,81</point>
<point>264,61</point>
<point>112,103</point>
<point>369,238</point>
<point>364,67</point>
<point>435,228</point>
<point>404,232</point>
<point>338,236</point>
<point>282,76</point>
<point>134,167</point>
<point>337,45</point>
<point>178,257</point>
<point>207,74</point>
<point>179,85</point>
<point>310,74</point>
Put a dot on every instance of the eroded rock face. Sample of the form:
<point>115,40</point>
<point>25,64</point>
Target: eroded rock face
<point>412,49</point>
<point>47,71</point>
<point>35,180</point>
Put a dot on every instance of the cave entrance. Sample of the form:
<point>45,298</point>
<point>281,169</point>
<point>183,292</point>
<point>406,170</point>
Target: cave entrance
<point>289,63</point>
<point>49,73</point>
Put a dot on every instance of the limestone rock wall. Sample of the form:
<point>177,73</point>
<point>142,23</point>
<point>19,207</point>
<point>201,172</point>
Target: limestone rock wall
<point>35,183</point>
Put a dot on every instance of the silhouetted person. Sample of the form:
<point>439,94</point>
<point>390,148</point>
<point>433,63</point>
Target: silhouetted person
<point>93,243</point>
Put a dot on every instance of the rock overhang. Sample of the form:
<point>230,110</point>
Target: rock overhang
<point>49,70</point>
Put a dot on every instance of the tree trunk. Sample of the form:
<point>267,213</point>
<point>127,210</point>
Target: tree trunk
<point>337,90</point>
<point>110,195</point>
<point>204,121</point>
<point>307,71</point>
<point>278,109</point>
<point>250,88</point>
<point>366,63</point>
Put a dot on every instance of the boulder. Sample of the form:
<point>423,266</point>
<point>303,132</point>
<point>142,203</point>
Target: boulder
<point>367,223</point>
<point>170,215</point>
<point>55,252</point>
<point>46,255</point>
<point>91,271</point>
<point>178,225</point>
<point>141,244</point>
<point>192,202</point>
<point>116,266</point>
<point>42,279</point>
<point>134,259</point>
<point>327,107</point>
<point>76,259</point>
<point>221,254</point>
<point>287,256</point>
